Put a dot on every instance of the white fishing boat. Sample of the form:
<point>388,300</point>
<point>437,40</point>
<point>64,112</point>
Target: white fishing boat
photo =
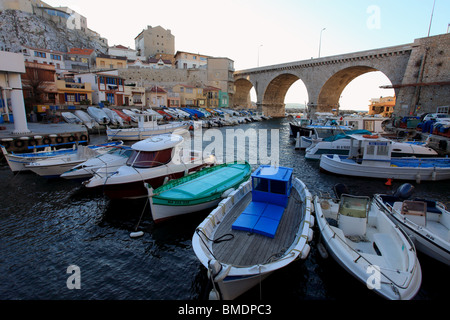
<point>98,115</point>
<point>87,120</point>
<point>108,162</point>
<point>54,167</point>
<point>271,212</point>
<point>154,160</point>
<point>197,191</point>
<point>372,158</point>
<point>69,117</point>
<point>427,222</point>
<point>17,161</point>
<point>365,242</point>
<point>147,127</point>
<point>340,145</point>
<point>131,114</point>
<point>305,134</point>
<point>114,118</point>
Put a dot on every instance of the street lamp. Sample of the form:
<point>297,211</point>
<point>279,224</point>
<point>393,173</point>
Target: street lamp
<point>320,41</point>
<point>258,52</point>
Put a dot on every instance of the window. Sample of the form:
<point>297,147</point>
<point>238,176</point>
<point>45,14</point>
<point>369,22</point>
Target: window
<point>383,150</point>
<point>142,159</point>
<point>84,60</point>
<point>55,57</point>
<point>110,98</point>
<point>40,54</point>
<point>70,98</point>
<point>261,184</point>
<point>278,187</point>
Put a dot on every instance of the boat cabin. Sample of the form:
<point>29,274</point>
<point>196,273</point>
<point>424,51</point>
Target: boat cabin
<point>154,151</point>
<point>353,215</point>
<point>367,148</point>
<point>147,120</point>
<point>271,187</point>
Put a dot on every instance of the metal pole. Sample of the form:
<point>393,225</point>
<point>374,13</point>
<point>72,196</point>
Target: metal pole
<point>320,41</point>
<point>431,19</point>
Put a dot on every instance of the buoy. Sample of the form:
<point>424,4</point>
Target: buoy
<point>136,234</point>
<point>322,251</point>
<point>388,182</point>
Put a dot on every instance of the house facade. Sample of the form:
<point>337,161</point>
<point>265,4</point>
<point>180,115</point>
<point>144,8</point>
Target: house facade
<point>122,51</point>
<point>383,106</point>
<point>105,61</point>
<point>106,86</point>
<point>156,97</point>
<point>154,41</point>
<point>187,60</point>
<point>45,56</point>
<point>71,92</point>
<point>80,59</point>
<point>134,96</point>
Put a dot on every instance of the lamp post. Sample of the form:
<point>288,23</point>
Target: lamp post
<point>258,52</point>
<point>320,41</point>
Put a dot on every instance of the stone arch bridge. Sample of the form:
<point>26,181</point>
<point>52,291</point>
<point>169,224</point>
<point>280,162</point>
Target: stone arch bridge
<point>416,71</point>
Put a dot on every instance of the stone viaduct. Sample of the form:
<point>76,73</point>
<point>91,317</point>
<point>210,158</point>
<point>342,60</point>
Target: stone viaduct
<point>419,74</point>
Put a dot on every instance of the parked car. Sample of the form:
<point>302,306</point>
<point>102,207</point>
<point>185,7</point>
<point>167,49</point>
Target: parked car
<point>440,117</point>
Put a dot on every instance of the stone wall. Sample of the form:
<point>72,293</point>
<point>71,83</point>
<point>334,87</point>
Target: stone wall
<point>426,83</point>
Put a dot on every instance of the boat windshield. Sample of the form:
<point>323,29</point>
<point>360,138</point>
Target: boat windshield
<point>149,159</point>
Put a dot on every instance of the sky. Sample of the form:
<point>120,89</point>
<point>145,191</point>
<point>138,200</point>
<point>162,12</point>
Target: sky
<point>268,32</point>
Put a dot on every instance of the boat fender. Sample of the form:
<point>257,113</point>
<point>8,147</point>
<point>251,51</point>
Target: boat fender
<point>18,143</point>
<point>370,136</point>
<point>59,139</point>
<point>222,275</point>
<point>47,140</point>
<point>310,235</point>
<point>136,234</point>
<point>433,175</point>
<point>311,221</point>
<point>166,179</point>
<point>227,193</point>
<point>418,178</point>
<point>214,268</point>
<point>305,252</point>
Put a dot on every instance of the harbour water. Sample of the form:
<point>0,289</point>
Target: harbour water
<point>48,225</point>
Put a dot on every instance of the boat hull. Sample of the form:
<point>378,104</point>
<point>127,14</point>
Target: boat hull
<point>381,169</point>
<point>395,283</point>
<point>135,134</point>
<point>234,280</point>
<point>53,171</point>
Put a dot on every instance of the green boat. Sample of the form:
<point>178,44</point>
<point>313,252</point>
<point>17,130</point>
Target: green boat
<point>198,191</point>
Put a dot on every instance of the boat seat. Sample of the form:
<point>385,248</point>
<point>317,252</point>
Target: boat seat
<point>352,217</point>
<point>261,218</point>
<point>389,249</point>
<point>431,205</point>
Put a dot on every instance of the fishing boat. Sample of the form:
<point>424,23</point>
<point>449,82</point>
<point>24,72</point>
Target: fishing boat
<point>114,118</point>
<point>131,114</point>
<point>305,134</point>
<point>124,116</point>
<point>198,191</point>
<point>154,160</point>
<point>340,144</point>
<point>56,166</point>
<point>69,117</point>
<point>427,222</point>
<point>87,120</point>
<point>109,162</point>
<point>17,161</point>
<point>98,115</point>
<point>147,127</point>
<point>371,157</point>
<point>271,212</point>
<point>365,242</point>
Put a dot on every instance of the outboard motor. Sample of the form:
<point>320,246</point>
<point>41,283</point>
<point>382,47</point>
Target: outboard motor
<point>404,191</point>
<point>339,189</point>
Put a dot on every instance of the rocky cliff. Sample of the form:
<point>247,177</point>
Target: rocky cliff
<point>20,28</point>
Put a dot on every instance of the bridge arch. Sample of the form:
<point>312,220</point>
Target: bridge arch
<point>273,99</point>
<point>242,93</point>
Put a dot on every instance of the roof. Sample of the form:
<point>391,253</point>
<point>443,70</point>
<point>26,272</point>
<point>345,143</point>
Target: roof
<point>273,173</point>
<point>158,142</point>
<point>81,51</point>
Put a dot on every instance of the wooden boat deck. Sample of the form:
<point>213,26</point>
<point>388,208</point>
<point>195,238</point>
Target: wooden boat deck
<point>247,249</point>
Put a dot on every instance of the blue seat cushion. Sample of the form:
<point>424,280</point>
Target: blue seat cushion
<point>255,208</point>
<point>245,222</point>
<point>273,212</point>
<point>266,227</point>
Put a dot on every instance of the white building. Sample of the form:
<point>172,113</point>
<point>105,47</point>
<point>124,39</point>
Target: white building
<point>45,56</point>
<point>106,86</point>
<point>122,51</point>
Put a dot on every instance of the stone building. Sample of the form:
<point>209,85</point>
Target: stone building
<point>154,42</point>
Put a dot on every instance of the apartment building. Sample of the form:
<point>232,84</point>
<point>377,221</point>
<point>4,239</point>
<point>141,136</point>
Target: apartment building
<point>45,56</point>
<point>39,83</point>
<point>71,92</point>
<point>80,59</point>
<point>383,106</point>
<point>155,41</point>
<point>106,86</point>
<point>134,96</point>
<point>105,61</point>
<point>122,51</point>
<point>187,60</point>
